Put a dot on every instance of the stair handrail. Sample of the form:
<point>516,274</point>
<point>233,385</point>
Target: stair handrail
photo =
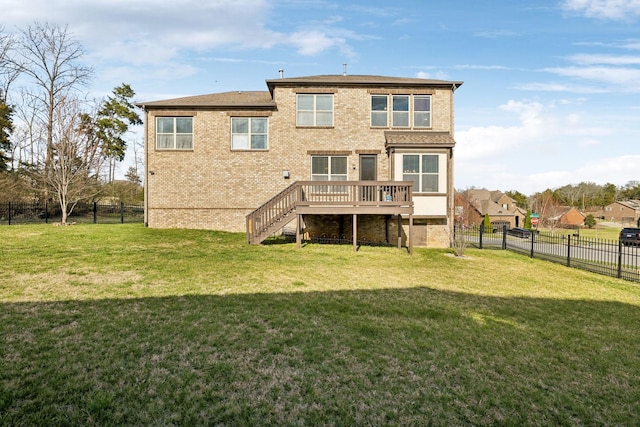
<point>258,221</point>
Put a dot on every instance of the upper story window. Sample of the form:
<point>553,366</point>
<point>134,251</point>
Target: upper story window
<point>249,133</point>
<point>406,111</point>
<point>174,133</point>
<point>422,111</point>
<point>314,110</point>
<point>423,170</point>
<point>379,110</point>
<point>400,110</point>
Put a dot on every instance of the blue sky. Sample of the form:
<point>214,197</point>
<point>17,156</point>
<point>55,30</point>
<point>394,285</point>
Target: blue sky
<point>551,92</point>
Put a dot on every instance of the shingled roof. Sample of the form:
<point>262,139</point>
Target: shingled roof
<point>264,99</point>
<point>360,80</point>
<point>223,100</point>
<point>417,139</point>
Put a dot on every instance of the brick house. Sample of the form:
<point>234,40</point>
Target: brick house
<point>256,161</point>
<point>626,212</point>
<point>570,217</point>
<point>474,204</point>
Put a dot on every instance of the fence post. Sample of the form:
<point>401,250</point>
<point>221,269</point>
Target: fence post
<point>619,259</point>
<point>9,215</point>
<point>504,237</point>
<point>481,233</point>
<point>569,250</point>
<point>121,212</point>
<point>95,212</point>
<point>532,238</point>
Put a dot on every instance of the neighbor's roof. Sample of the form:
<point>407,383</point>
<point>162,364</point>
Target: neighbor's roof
<point>237,99</point>
<point>633,204</point>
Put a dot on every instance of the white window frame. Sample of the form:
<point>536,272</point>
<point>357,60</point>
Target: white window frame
<point>314,112</point>
<point>249,144</point>
<point>407,112</point>
<point>174,134</point>
<point>330,176</point>
<point>422,171</point>
<point>416,112</point>
<point>380,113</point>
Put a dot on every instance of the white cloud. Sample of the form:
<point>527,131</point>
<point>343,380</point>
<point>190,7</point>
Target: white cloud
<point>618,10</point>
<point>560,87</point>
<point>147,32</point>
<point>605,59</point>
<point>438,75</point>
<point>494,34</point>
<point>314,42</point>
<point>623,79</point>
<point>542,149</point>
<point>617,170</point>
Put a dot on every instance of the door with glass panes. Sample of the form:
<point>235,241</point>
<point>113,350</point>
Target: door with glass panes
<point>368,172</point>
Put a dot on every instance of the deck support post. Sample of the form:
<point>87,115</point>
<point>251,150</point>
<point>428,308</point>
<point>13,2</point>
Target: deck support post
<point>399,231</point>
<point>355,232</point>
<point>299,231</point>
<point>410,238</point>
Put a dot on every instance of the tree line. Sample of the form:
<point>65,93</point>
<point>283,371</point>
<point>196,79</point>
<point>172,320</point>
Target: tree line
<point>585,196</point>
<point>56,144</point>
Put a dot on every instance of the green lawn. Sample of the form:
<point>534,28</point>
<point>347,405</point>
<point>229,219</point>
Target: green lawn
<point>119,324</point>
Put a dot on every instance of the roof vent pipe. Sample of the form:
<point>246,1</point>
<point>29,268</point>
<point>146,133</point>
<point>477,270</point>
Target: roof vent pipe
<point>344,69</point>
<point>281,71</point>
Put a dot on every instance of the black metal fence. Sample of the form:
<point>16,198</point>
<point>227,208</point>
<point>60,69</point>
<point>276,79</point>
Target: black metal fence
<point>608,257</point>
<point>83,213</point>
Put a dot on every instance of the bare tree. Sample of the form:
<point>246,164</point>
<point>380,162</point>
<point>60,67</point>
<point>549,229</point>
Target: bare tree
<point>29,137</point>
<point>77,158</point>
<point>51,57</point>
<point>9,71</point>
<point>549,207</point>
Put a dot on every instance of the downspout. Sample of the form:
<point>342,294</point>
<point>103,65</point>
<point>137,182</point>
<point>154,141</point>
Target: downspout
<point>451,189</point>
<point>146,167</point>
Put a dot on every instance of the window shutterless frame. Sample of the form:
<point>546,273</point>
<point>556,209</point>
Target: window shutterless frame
<point>400,116</point>
<point>423,170</point>
<point>174,133</point>
<point>249,133</point>
<point>314,110</point>
<point>422,111</point>
<point>379,110</point>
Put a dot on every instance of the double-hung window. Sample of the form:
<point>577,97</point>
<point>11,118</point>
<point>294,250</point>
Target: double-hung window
<point>423,170</point>
<point>174,133</point>
<point>422,111</point>
<point>400,110</point>
<point>379,110</point>
<point>407,111</point>
<point>314,110</point>
<point>249,133</point>
<point>329,168</point>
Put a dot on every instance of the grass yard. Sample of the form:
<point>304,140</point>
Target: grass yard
<point>120,324</point>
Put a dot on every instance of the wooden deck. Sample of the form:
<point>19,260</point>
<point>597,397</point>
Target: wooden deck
<point>330,198</point>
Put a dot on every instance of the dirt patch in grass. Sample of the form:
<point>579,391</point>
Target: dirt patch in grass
<point>77,284</point>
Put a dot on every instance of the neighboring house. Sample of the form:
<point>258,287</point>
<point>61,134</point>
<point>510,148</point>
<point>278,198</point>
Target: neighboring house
<point>625,212</point>
<point>257,161</point>
<point>502,209</point>
<point>570,217</point>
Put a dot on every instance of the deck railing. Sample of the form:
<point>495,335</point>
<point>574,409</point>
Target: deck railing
<point>328,197</point>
